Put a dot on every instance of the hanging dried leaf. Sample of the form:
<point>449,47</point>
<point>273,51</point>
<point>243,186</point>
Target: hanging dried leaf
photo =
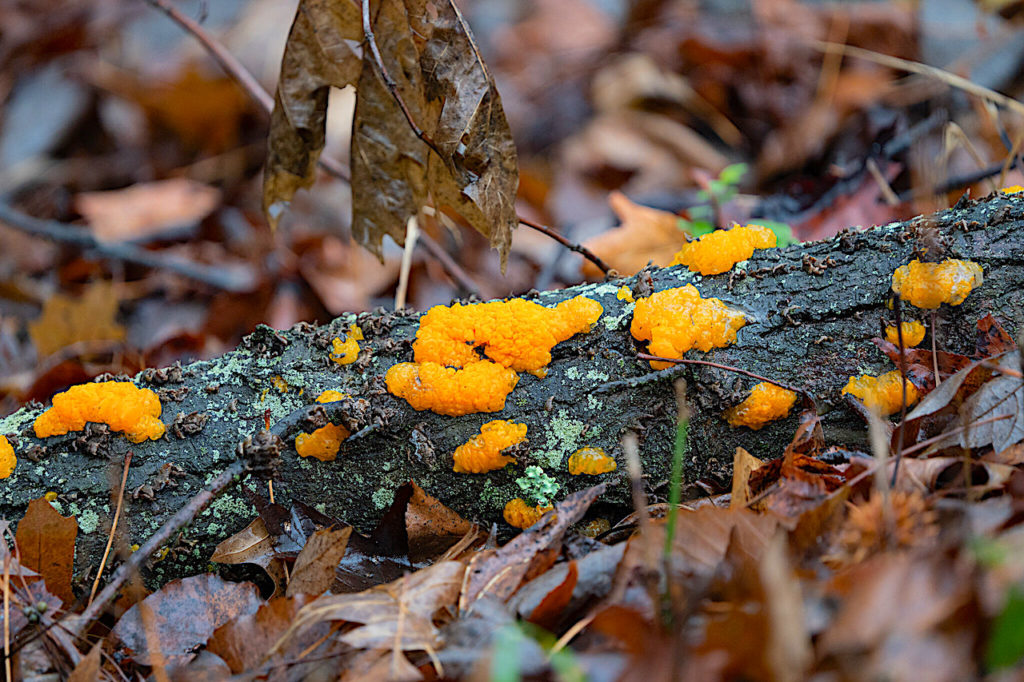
<point>317,56</point>
<point>435,69</point>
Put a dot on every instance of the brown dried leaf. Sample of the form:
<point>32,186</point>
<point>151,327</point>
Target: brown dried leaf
<point>243,643</point>
<point>1000,403</point>
<point>499,573</point>
<point>549,610</point>
<point>399,613</point>
<point>645,234</point>
<point>88,669</point>
<point>146,210</point>
<point>317,56</point>
<point>46,544</point>
<point>316,563</point>
<point>65,320</point>
<point>743,464</point>
<point>429,54</point>
<point>252,545</point>
<point>184,614</point>
<point>432,527</point>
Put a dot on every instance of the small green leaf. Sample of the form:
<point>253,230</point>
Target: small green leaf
<point>1006,644</point>
<point>783,232</point>
<point>733,174</point>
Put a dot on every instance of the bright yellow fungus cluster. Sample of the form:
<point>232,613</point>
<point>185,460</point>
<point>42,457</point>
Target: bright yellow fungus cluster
<point>766,403</point>
<point>929,285</point>
<point>591,461</point>
<point>324,443</point>
<point>1012,189</point>
<point>119,404</point>
<point>677,320</point>
<point>913,334</point>
<point>716,252</point>
<point>482,453</point>
<point>520,515</point>
<point>883,393</point>
<point>450,377</point>
<point>624,294</point>
<point>7,459</point>
<point>346,352</point>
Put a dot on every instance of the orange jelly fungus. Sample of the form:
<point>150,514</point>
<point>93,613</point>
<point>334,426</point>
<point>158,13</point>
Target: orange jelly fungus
<point>766,403</point>
<point>518,514</point>
<point>913,334</point>
<point>346,352</point>
<point>324,443</point>
<point>676,320</point>
<point>716,252</point>
<point>929,285</point>
<point>591,461</point>
<point>884,393</point>
<point>120,404</point>
<point>624,294</point>
<point>7,459</point>
<point>482,453</point>
<point>1012,189</point>
<point>450,377</point>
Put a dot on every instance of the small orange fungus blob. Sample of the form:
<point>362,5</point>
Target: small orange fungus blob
<point>279,383</point>
<point>50,496</point>
<point>913,334</point>
<point>120,404</point>
<point>520,515</point>
<point>346,352</point>
<point>595,527</point>
<point>716,252</point>
<point>591,461</point>
<point>482,453</point>
<point>766,403</point>
<point>450,377</point>
<point>1012,189</point>
<point>7,459</point>
<point>324,443</point>
<point>883,393</point>
<point>929,285</point>
<point>676,320</point>
<point>624,294</point>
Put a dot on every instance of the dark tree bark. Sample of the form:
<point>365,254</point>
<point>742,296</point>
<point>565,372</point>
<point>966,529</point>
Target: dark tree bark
<point>811,309</point>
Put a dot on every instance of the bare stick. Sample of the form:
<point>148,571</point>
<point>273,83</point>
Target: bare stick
<point>572,246</point>
<point>227,61</point>
<point>737,370</point>
<point>181,518</point>
<point>69,234</point>
<point>113,526</point>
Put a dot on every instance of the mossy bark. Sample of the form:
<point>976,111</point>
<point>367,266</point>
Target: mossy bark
<point>811,310</point>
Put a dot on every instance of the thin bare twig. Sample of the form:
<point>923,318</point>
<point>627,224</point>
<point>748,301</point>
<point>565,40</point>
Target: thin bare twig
<point>181,518</point>
<point>572,246</point>
<point>113,526</point>
<point>222,278</point>
<point>227,61</point>
<point>728,368</point>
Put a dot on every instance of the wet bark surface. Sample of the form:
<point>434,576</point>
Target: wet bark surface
<point>811,312</point>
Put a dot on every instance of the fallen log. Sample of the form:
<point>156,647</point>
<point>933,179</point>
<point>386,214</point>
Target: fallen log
<point>811,310</point>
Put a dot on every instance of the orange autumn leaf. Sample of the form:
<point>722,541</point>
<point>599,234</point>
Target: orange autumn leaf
<point>645,234</point>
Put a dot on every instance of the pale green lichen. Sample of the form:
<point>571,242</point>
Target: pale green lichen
<point>493,496</point>
<point>88,520</point>
<point>592,402</point>
<point>382,498</point>
<point>563,435</point>
<point>573,373</point>
<point>538,488</point>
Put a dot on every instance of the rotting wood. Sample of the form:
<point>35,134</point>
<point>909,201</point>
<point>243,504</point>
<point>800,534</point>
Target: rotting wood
<point>807,326</point>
